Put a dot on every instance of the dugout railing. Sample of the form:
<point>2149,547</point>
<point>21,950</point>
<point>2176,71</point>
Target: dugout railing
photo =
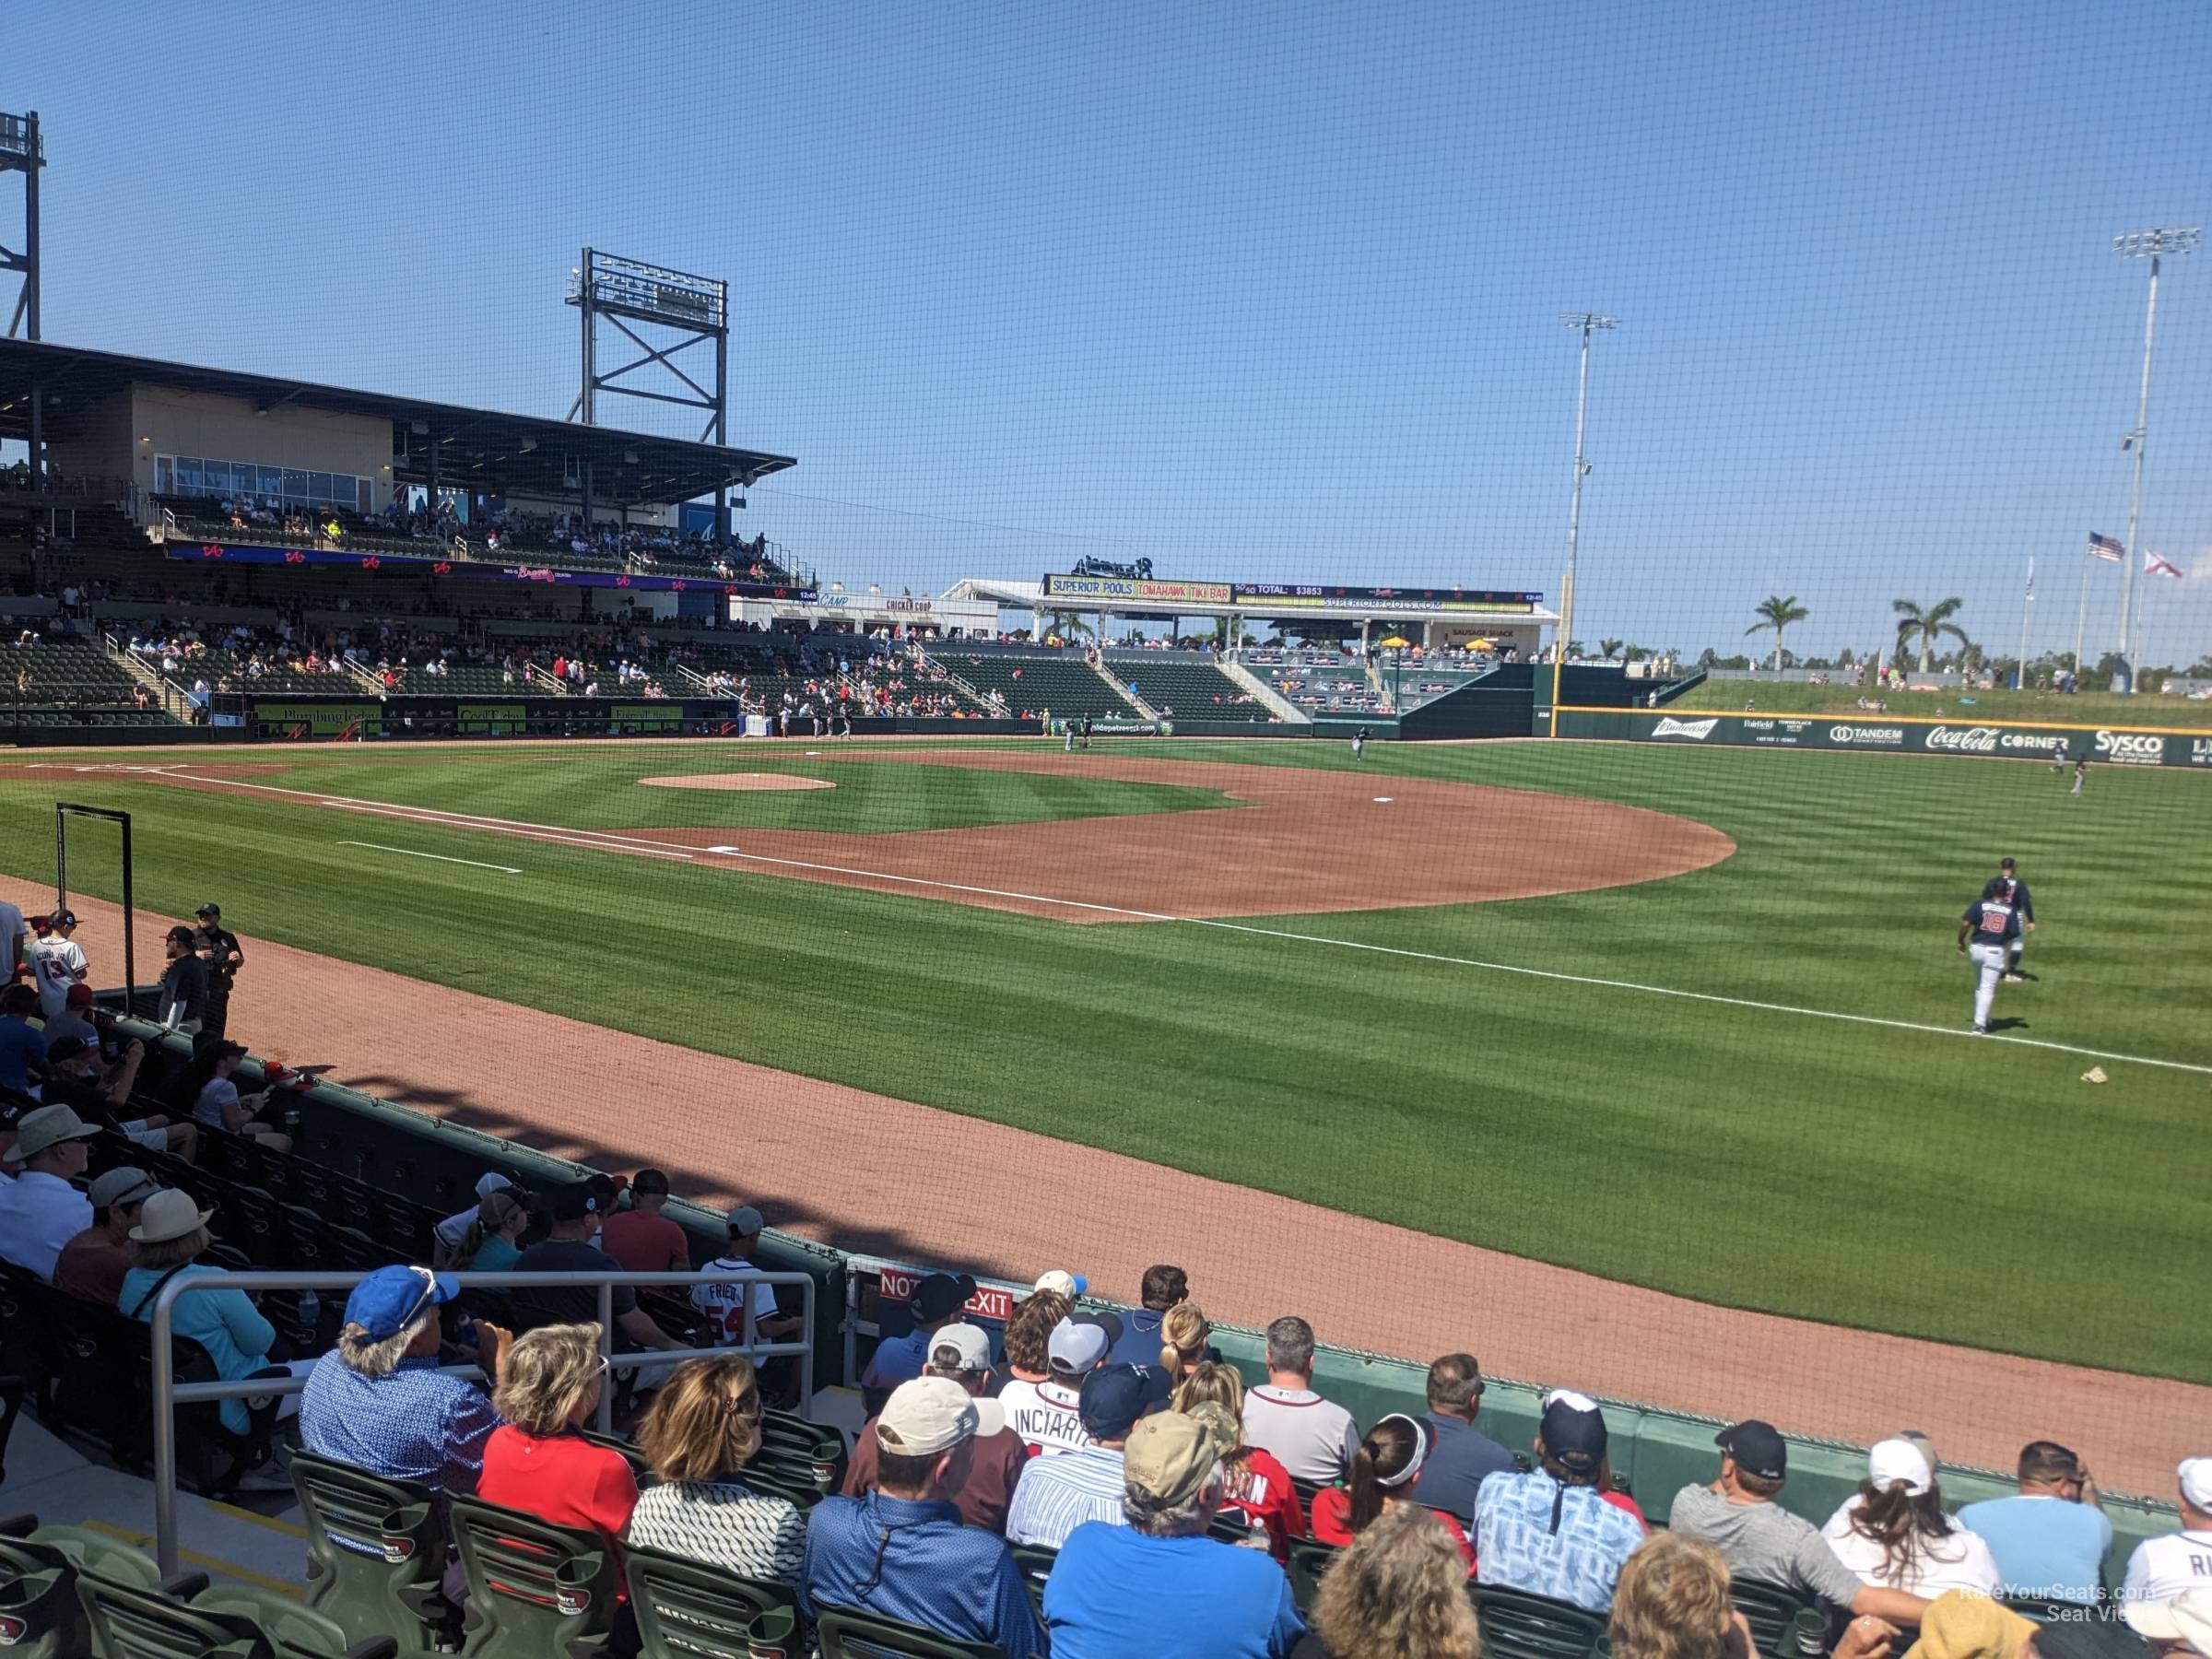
<point>168,1393</point>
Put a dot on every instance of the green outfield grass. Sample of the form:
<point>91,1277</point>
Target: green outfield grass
<point>2086,708</point>
<point>1922,1183</point>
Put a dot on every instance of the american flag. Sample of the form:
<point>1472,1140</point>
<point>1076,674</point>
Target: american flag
<point>2157,564</point>
<point>2105,548</point>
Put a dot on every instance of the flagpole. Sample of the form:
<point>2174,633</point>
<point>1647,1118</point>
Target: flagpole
<point>2019,678</point>
<point>2081,616</point>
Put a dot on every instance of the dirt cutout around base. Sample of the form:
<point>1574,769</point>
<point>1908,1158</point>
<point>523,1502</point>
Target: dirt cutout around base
<point>744,781</point>
<point>869,1173</point>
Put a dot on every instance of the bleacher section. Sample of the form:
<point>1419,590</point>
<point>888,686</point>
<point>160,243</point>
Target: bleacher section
<point>1188,683</point>
<point>1318,683</point>
<point>56,684</point>
<point>226,671</point>
<point>1032,682</point>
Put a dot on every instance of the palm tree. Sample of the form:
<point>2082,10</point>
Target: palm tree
<point>1608,649</point>
<point>1778,613</point>
<point>1066,625</point>
<point>1927,627</point>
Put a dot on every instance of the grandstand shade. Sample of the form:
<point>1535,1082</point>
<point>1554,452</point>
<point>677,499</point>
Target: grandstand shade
<point>481,449</point>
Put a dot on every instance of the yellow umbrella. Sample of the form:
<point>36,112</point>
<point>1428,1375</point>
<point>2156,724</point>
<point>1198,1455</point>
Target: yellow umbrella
<point>1395,643</point>
<point>1482,645</point>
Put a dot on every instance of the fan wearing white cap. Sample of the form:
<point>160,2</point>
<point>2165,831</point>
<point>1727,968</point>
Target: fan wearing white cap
<point>961,1353</point>
<point>1894,1532</point>
<point>902,1550</point>
<point>2164,1568</point>
<point>455,1228</point>
<point>40,1209</point>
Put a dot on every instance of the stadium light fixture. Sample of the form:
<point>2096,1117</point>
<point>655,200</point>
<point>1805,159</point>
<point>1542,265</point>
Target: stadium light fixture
<point>2154,244</point>
<point>1586,323</point>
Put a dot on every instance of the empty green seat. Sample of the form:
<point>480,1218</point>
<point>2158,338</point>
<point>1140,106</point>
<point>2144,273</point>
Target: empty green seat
<point>1516,1625</point>
<point>536,1591</point>
<point>1785,1623</point>
<point>849,1633</point>
<point>688,1610</point>
<point>376,1550</point>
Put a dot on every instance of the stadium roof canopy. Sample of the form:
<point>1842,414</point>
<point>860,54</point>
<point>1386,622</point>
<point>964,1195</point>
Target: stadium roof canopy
<point>1031,596</point>
<point>478,449</point>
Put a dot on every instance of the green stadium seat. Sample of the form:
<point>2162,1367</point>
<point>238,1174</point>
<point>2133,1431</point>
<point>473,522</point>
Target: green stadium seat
<point>376,1550</point>
<point>536,1591</point>
<point>1516,1625</point>
<point>687,1610</point>
<point>1310,1561</point>
<point>849,1633</point>
<point>291,1630</point>
<point>41,1615</point>
<point>1036,1563</point>
<point>1785,1623</point>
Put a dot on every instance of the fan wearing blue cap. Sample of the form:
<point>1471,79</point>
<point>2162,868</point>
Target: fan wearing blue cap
<point>1058,1493</point>
<point>1549,1530</point>
<point>378,1400</point>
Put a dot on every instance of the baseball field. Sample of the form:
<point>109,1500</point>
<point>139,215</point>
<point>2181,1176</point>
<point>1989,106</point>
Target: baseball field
<point>1685,1019</point>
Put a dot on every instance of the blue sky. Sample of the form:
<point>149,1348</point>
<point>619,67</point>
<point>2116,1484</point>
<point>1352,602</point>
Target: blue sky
<point>1260,290</point>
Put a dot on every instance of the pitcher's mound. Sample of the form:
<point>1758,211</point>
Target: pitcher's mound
<point>736,780</point>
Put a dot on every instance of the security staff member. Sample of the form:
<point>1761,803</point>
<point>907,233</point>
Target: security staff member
<point>217,947</point>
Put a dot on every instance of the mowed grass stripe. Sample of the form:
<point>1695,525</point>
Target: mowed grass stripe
<point>1883,1179</point>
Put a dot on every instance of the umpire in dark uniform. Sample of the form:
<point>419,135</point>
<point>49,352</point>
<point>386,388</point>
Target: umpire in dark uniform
<point>218,947</point>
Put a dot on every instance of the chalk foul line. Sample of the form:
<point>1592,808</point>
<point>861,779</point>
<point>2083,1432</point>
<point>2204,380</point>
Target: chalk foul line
<point>410,852</point>
<point>610,840</point>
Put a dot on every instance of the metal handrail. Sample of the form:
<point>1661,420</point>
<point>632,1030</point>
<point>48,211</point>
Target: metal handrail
<point>169,1393</point>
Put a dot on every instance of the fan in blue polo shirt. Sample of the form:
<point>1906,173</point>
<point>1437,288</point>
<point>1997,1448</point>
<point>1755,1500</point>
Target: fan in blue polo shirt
<point>1159,1586</point>
<point>2050,1540</point>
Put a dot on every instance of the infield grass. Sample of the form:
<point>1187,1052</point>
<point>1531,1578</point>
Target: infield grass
<point>1922,1183</point>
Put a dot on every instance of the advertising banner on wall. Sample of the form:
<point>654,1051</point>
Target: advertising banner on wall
<point>430,564</point>
<point>1893,734</point>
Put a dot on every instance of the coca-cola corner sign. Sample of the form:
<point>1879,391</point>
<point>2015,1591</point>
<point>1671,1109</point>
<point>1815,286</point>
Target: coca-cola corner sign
<point>1893,734</point>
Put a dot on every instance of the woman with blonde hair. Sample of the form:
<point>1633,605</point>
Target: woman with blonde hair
<point>1385,1475</point>
<point>1256,1487</point>
<point>1399,1592</point>
<point>488,1245</point>
<point>539,1461</point>
<point>1184,1337</point>
<point>703,1428</point>
<point>1671,1602</point>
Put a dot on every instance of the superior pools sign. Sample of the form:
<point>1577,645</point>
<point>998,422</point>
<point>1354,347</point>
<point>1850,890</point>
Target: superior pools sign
<point>1893,734</point>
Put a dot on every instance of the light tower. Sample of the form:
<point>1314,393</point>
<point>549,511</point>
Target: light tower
<point>2153,245</point>
<point>22,150</point>
<point>1586,323</point>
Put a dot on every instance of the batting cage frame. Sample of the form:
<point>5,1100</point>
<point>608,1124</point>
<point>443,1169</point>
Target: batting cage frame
<point>63,812</point>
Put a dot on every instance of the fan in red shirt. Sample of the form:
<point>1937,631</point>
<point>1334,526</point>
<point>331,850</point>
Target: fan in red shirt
<point>641,1238</point>
<point>1256,1488</point>
<point>1386,1470</point>
<point>539,1461</point>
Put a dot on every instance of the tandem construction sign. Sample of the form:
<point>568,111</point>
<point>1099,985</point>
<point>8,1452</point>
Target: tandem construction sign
<point>1895,733</point>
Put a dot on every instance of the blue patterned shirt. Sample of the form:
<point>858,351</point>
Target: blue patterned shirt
<point>416,1424</point>
<point>913,1560</point>
<point>1520,1549</point>
<point>1061,1490</point>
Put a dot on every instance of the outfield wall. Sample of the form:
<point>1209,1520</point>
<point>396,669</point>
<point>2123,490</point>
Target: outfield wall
<point>1895,734</point>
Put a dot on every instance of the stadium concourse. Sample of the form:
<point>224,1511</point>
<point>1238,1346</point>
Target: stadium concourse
<point>549,1081</point>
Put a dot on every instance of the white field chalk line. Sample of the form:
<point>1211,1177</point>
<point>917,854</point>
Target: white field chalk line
<point>442,858</point>
<point>609,842</point>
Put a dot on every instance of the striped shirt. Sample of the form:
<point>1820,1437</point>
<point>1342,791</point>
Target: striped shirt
<point>722,1524</point>
<point>1059,1491</point>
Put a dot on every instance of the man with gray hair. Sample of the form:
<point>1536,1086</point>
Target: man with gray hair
<point>1158,1585</point>
<point>1312,1438</point>
<point>378,1400</point>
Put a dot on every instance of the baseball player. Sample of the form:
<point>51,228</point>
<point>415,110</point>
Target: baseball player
<point>1991,923</point>
<point>2081,776</point>
<point>57,962</point>
<point>1358,743</point>
<point>2008,872</point>
<point>1086,731</point>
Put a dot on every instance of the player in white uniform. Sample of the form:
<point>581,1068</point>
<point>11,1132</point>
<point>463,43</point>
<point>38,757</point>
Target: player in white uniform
<point>1986,936</point>
<point>57,962</point>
